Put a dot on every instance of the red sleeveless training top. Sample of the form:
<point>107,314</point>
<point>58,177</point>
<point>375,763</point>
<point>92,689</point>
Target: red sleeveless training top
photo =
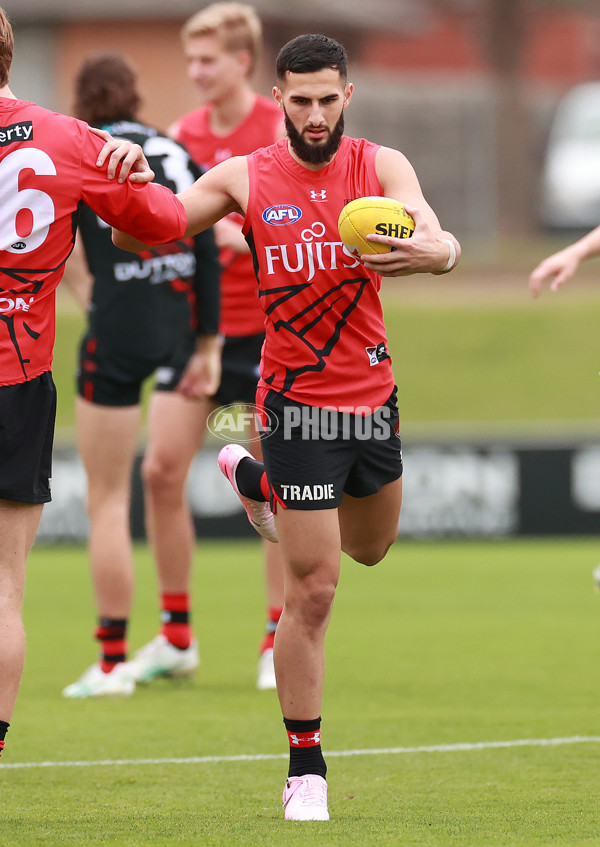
<point>325,336</point>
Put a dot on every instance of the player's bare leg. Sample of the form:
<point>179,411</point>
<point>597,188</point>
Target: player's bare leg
<point>176,428</point>
<point>369,525</point>
<point>18,525</point>
<point>107,440</point>
<point>311,576</point>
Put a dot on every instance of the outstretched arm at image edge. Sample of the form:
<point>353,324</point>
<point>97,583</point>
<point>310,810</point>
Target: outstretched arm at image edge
<point>562,266</point>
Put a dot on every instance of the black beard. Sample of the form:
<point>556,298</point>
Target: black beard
<point>315,154</point>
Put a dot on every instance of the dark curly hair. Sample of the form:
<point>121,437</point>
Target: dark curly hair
<point>106,90</point>
<point>310,53</point>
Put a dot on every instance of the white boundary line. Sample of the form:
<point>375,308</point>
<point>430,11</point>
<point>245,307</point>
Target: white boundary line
<point>203,760</point>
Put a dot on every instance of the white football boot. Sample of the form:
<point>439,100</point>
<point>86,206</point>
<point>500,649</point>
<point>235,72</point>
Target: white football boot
<point>160,658</point>
<point>95,683</point>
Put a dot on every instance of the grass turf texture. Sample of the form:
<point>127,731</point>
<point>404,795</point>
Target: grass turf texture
<point>440,644</point>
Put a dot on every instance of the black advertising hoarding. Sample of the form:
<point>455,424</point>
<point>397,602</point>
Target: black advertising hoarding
<point>450,490</point>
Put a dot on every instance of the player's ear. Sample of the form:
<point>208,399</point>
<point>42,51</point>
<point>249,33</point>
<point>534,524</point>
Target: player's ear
<point>348,93</point>
<point>244,59</point>
<point>278,96</point>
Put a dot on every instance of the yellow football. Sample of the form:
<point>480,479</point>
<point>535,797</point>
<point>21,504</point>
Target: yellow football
<point>373,216</point>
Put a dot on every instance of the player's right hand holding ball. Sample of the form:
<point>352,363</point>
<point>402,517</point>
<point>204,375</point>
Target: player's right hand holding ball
<point>423,252</point>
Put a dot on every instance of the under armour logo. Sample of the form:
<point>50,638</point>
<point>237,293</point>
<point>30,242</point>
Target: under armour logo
<point>318,195</point>
<point>305,740</point>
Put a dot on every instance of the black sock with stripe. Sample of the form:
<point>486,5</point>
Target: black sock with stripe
<point>112,635</point>
<point>306,755</point>
<point>251,480</point>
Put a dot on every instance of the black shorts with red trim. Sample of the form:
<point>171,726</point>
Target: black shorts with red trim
<point>314,456</point>
<point>109,376</point>
<point>27,418</point>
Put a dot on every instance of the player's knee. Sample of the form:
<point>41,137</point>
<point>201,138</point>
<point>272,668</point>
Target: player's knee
<point>160,475</point>
<point>370,553</point>
<point>313,600</point>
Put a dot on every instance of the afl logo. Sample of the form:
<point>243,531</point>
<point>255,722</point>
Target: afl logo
<point>281,214</point>
<point>18,245</point>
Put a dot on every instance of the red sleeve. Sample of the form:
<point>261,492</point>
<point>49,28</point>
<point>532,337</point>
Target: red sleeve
<point>149,212</point>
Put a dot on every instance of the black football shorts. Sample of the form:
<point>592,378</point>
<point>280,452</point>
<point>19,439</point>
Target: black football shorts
<point>313,456</point>
<point>240,363</point>
<point>110,377</point>
<point>27,418</point>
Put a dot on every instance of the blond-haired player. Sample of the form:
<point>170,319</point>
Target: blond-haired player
<point>222,44</point>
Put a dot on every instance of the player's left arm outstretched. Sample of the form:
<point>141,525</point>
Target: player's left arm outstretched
<point>219,191</point>
<point>430,249</point>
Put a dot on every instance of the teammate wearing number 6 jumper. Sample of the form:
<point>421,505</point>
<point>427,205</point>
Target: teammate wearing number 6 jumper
<point>49,164</point>
<point>140,322</point>
<point>325,364</point>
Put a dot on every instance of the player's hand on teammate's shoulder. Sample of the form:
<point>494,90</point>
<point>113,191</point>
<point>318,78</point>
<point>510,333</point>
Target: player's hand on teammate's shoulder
<point>424,252</point>
<point>129,156</point>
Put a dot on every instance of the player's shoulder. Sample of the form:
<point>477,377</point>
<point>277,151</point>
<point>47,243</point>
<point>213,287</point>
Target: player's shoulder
<point>36,128</point>
<point>272,151</point>
<point>232,166</point>
<point>23,110</point>
<point>362,144</point>
<point>391,157</point>
<point>229,175</point>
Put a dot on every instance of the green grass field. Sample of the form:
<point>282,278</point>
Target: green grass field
<point>449,643</point>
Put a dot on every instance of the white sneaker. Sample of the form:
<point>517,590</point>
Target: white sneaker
<point>259,513</point>
<point>95,683</point>
<point>305,798</point>
<point>159,658</point>
<point>266,671</point>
